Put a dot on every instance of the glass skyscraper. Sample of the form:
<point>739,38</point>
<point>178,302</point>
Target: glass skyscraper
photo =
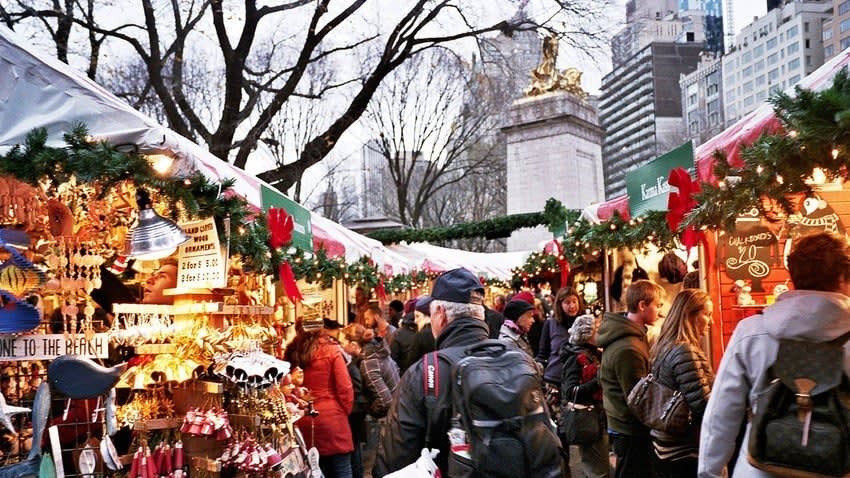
<point>713,21</point>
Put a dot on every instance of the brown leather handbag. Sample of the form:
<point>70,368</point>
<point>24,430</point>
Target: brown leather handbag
<point>659,407</point>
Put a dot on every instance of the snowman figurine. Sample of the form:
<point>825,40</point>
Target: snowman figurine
<point>744,296</point>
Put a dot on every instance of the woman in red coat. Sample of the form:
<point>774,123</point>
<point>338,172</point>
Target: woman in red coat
<point>326,377</point>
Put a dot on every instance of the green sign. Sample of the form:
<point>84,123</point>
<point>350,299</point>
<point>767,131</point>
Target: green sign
<point>302,232</point>
<point>647,185</point>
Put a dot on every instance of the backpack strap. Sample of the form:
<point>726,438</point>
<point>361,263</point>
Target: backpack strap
<point>431,385</point>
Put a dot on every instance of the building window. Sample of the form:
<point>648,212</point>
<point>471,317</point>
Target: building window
<point>772,59</point>
<point>748,101</point>
<point>773,75</point>
<point>759,65</point>
<point>844,25</point>
<point>808,44</point>
<point>827,33</point>
<point>794,64</point>
<point>760,80</point>
<point>806,27</point>
<point>844,7</point>
<point>748,86</point>
<point>792,48</point>
<point>827,51</point>
<point>747,72</point>
<point>845,42</point>
<point>758,51</point>
<point>794,80</point>
<point>771,43</point>
<point>747,57</point>
<point>808,60</point>
<point>761,95</point>
<point>692,99</point>
<point>791,32</point>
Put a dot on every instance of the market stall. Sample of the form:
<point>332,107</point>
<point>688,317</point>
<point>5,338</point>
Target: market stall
<point>742,256</point>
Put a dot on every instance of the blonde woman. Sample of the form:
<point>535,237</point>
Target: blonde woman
<point>679,361</point>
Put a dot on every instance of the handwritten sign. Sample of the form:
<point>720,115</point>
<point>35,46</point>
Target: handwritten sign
<point>199,261</point>
<point>746,252</point>
<point>47,347</point>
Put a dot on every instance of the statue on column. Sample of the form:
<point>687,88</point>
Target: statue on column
<point>546,77</point>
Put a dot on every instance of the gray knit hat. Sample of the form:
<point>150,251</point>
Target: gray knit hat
<point>582,330</point>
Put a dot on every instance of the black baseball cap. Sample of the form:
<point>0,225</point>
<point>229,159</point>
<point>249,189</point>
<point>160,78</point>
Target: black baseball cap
<point>456,285</point>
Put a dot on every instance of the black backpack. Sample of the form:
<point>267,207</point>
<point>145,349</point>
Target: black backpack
<point>497,396</point>
<point>801,423</point>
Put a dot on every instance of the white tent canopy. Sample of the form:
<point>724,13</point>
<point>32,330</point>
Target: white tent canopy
<point>37,91</point>
<point>496,265</point>
<point>41,92</point>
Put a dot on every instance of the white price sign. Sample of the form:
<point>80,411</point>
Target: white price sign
<point>199,261</point>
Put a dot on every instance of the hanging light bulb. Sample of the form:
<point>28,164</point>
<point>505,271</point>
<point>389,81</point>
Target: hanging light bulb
<point>153,236</point>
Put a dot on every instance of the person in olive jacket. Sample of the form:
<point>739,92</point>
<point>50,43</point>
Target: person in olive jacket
<point>625,359</point>
<point>680,363</point>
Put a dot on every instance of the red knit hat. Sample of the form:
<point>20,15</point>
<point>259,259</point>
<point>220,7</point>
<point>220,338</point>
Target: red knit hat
<point>525,296</point>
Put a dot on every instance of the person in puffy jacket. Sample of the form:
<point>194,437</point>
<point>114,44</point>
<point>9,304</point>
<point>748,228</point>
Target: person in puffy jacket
<point>519,315</point>
<point>679,362</point>
<point>580,384</point>
<point>326,376</point>
<point>380,379</point>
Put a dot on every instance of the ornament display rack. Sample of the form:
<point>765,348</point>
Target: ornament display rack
<point>201,453</point>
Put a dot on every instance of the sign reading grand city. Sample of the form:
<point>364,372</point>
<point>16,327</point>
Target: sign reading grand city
<point>647,185</point>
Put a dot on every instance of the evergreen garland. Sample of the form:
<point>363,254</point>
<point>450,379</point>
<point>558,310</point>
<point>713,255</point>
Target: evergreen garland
<point>815,134</point>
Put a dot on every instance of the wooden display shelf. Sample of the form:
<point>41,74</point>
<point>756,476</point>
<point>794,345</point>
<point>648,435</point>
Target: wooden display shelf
<point>155,349</point>
<point>158,424</point>
<point>240,420</point>
<point>206,464</point>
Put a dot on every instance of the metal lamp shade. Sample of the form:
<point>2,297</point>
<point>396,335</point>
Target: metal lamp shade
<point>154,237</point>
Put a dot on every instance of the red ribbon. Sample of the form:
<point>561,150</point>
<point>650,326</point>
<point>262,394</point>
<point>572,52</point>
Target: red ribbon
<point>381,291</point>
<point>280,227</point>
<point>562,263</point>
<point>290,286</point>
<point>680,203</point>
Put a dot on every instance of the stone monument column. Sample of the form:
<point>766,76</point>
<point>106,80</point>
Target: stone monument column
<point>554,147</point>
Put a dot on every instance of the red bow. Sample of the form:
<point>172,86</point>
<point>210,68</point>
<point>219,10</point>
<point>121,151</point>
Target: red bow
<point>680,203</point>
<point>287,280</point>
<point>280,227</point>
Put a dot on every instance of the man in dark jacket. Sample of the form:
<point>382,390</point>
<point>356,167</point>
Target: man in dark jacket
<point>457,321</point>
<point>423,341</point>
<point>625,359</point>
<point>400,348</point>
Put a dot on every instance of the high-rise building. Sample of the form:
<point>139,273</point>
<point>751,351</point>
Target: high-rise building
<point>681,21</point>
<point>702,99</point>
<point>640,108</point>
<point>836,31</point>
<point>773,53</point>
<point>712,21</point>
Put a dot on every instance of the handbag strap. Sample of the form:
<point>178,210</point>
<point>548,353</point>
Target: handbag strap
<point>653,369</point>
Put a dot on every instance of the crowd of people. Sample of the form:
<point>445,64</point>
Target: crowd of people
<point>369,374</point>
